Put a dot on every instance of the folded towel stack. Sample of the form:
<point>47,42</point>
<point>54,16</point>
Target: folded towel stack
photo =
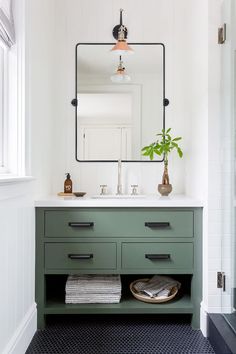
<point>157,286</point>
<point>93,289</point>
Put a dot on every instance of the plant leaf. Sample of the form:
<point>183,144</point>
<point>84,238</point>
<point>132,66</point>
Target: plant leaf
<point>157,151</point>
<point>145,153</point>
<point>164,145</point>
<point>180,152</point>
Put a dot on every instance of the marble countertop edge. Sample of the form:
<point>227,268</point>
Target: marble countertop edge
<point>145,201</point>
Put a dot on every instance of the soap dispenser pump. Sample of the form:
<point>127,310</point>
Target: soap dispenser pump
<point>68,184</point>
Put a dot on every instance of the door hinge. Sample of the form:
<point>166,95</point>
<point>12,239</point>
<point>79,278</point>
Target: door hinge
<point>221,280</point>
<point>222,34</point>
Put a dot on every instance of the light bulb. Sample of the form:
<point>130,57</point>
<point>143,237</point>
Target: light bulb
<point>120,76</point>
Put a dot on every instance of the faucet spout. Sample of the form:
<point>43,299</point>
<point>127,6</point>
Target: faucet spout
<point>119,185</point>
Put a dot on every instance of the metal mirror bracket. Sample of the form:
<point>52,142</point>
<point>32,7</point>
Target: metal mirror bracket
<point>75,102</point>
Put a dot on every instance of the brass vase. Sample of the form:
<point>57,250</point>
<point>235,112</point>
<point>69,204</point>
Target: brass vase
<point>164,189</point>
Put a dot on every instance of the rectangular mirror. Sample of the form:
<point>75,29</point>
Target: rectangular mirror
<point>114,119</point>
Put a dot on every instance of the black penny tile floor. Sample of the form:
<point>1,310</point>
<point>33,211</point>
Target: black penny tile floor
<point>119,335</point>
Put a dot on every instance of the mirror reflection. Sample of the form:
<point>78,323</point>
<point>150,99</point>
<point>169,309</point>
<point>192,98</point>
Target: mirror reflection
<point>120,101</point>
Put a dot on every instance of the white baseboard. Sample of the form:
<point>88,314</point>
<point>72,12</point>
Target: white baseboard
<point>21,339</point>
<point>203,320</point>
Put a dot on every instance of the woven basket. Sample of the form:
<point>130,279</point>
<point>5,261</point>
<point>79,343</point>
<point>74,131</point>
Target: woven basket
<point>154,300</point>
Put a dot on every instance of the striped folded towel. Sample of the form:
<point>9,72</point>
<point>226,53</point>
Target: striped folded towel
<point>93,289</point>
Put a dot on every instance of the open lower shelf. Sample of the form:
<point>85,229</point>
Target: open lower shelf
<point>55,299</point>
<point>127,305</point>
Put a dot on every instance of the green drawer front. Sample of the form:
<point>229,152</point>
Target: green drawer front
<point>118,223</point>
<point>157,255</point>
<point>80,255</point>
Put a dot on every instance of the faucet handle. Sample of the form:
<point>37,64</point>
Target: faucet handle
<point>103,189</point>
<point>134,189</point>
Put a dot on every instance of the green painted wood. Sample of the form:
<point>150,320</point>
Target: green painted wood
<point>116,239</point>
<point>118,227</point>
<point>196,284</point>
<point>134,256</point>
<point>122,222</point>
<point>40,290</point>
<point>150,271</point>
<point>103,255</point>
<point>128,305</point>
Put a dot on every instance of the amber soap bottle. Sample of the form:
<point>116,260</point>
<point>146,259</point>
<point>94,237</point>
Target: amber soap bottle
<point>68,184</point>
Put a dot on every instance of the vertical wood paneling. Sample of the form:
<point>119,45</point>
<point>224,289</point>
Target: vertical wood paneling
<point>93,21</point>
<point>3,274</point>
<point>16,258</point>
<point>184,27</point>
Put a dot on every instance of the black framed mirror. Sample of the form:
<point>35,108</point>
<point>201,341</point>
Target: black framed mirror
<point>115,118</point>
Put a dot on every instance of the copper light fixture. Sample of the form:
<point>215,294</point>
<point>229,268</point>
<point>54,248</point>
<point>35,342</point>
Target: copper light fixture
<point>120,33</point>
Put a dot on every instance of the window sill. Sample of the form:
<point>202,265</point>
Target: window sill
<point>8,179</point>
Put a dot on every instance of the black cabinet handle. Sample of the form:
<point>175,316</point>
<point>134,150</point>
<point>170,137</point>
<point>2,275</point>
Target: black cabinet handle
<point>80,224</point>
<point>159,225</point>
<point>80,256</point>
<point>157,256</point>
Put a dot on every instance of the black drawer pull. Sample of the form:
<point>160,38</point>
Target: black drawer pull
<point>157,256</point>
<point>81,224</point>
<point>80,256</point>
<point>159,225</point>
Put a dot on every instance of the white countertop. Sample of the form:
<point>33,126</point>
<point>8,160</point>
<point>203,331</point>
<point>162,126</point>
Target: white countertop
<point>146,201</point>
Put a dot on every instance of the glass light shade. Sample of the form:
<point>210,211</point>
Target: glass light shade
<point>120,77</point>
<point>121,48</point>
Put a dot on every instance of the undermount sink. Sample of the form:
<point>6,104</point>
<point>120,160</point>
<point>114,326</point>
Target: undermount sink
<point>118,196</point>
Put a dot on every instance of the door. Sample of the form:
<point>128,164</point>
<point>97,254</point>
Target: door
<point>228,102</point>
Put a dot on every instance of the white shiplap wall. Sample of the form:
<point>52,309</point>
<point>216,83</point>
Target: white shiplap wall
<point>17,264</point>
<point>50,82</point>
<point>92,21</point>
<point>193,68</point>
<point>17,230</point>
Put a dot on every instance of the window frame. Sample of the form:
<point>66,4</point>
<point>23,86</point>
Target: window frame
<point>17,152</point>
<point>4,91</point>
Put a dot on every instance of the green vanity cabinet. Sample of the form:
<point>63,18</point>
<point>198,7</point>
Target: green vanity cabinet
<point>135,242</point>
<point>118,223</point>
<point>141,255</point>
<point>80,255</point>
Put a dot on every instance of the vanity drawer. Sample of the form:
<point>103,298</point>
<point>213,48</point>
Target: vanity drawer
<point>140,255</point>
<point>117,222</point>
<point>80,255</point>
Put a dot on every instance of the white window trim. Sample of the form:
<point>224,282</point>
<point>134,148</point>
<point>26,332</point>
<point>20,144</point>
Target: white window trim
<point>4,169</point>
<point>9,179</point>
<point>16,127</point>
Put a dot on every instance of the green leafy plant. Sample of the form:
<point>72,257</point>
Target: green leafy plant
<point>163,146</point>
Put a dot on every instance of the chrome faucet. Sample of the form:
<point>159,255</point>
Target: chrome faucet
<point>119,185</point>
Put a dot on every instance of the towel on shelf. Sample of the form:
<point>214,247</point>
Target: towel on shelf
<point>92,299</point>
<point>92,283</point>
<point>93,289</point>
<point>158,285</point>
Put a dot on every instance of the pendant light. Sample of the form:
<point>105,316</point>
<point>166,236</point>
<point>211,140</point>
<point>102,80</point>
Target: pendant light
<point>120,77</point>
<point>120,33</point>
